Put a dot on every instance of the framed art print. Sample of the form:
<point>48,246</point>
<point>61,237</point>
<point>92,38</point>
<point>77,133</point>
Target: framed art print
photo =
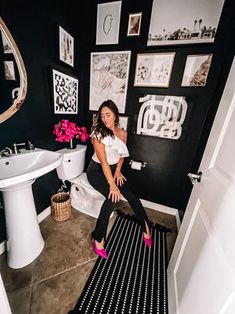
<point>153,69</point>
<point>9,70</point>
<point>6,46</point>
<point>134,24</point>
<point>94,118</point>
<point>65,93</point>
<point>184,21</point>
<point>66,43</point>
<point>109,74</point>
<point>108,23</point>
<point>123,122</point>
<point>196,70</point>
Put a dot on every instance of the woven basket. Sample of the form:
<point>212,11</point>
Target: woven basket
<point>60,206</point>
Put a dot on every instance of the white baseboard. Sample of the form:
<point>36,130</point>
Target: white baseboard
<point>44,214</point>
<point>2,247</point>
<point>161,208</point>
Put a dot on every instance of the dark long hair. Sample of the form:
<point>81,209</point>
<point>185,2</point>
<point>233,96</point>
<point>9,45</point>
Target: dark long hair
<point>98,126</point>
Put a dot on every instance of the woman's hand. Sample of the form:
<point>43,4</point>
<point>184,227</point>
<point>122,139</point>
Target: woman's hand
<point>119,178</point>
<point>114,193</point>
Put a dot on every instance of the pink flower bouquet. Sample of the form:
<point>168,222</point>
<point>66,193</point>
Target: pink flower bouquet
<point>66,131</point>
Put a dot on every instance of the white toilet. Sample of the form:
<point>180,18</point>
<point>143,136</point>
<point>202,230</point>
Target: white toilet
<point>83,196</point>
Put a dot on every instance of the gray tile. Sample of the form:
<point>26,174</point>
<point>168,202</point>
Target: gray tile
<point>60,294</point>
<point>15,279</point>
<point>20,301</point>
<point>67,245</point>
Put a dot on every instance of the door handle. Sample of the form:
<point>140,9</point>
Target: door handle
<point>195,177</point>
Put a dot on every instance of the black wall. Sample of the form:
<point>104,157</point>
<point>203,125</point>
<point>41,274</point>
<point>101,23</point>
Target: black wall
<point>35,28</point>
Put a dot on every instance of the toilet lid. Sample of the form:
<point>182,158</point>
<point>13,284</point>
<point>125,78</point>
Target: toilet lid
<point>82,179</point>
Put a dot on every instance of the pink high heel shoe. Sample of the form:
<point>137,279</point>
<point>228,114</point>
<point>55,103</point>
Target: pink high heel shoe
<point>99,252</point>
<point>148,241</point>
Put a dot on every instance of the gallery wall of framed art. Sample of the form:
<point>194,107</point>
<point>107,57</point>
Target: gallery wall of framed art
<point>173,66</point>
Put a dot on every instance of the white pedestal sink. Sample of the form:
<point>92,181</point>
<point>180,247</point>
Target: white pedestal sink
<point>18,172</point>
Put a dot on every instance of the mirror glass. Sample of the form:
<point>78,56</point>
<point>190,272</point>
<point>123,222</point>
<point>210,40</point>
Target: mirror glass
<point>13,76</point>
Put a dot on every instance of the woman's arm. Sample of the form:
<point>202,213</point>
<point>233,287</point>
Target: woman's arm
<point>99,148</point>
<point>118,176</point>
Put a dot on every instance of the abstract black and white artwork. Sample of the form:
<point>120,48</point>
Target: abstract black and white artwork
<point>184,21</point>
<point>65,92</point>
<point>109,78</point>
<point>161,116</point>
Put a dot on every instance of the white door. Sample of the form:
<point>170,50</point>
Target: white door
<point>201,271</point>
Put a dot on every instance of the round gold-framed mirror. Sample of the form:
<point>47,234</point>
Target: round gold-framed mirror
<point>19,93</point>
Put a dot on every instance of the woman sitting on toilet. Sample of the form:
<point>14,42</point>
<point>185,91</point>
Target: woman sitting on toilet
<point>104,174</point>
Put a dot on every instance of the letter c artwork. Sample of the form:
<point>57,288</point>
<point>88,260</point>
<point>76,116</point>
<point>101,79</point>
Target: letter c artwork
<point>107,23</point>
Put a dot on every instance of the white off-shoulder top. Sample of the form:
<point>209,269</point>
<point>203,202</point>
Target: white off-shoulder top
<point>114,148</point>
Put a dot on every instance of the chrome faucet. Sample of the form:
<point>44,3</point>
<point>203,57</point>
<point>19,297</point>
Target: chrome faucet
<point>15,147</point>
<point>6,152</point>
<point>28,145</point>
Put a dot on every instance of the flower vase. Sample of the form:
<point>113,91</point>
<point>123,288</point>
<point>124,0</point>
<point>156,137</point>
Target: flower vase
<point>71,144</point>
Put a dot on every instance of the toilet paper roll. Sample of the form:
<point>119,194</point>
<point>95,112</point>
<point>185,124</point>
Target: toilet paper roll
<point>136,165</point>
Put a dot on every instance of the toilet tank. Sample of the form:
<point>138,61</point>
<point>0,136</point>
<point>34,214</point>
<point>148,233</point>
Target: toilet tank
<point>73,162</point>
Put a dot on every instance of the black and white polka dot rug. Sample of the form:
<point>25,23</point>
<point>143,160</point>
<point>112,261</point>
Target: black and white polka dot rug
<point>133,279</point>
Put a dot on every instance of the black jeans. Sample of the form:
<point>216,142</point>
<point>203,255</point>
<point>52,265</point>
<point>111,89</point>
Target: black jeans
<point>97,179</point>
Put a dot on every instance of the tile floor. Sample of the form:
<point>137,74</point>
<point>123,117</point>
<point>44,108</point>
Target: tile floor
<point>54,281</point>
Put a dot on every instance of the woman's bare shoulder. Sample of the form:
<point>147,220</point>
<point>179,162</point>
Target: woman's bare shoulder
<point>122,134</point>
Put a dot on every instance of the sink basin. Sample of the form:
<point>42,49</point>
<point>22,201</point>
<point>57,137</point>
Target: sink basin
<point>18,173</point>
<point>27,165</point>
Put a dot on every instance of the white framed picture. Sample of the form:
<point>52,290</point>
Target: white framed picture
<point>9,70</point>
<point>109,72</point>
<point>184,21</point>
<point>5,43</point>
<point>65,93</point>
<point>153,69</point>
<point>196,70</point>
<point>123,122</point>
<point>66,47</point>
<point>134,24</point>
<point>108,23</point>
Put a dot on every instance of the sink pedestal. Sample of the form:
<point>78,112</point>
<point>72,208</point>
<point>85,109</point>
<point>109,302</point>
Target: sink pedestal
<point>24,239</point>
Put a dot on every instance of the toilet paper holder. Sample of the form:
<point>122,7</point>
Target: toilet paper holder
<point>143,163</point>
